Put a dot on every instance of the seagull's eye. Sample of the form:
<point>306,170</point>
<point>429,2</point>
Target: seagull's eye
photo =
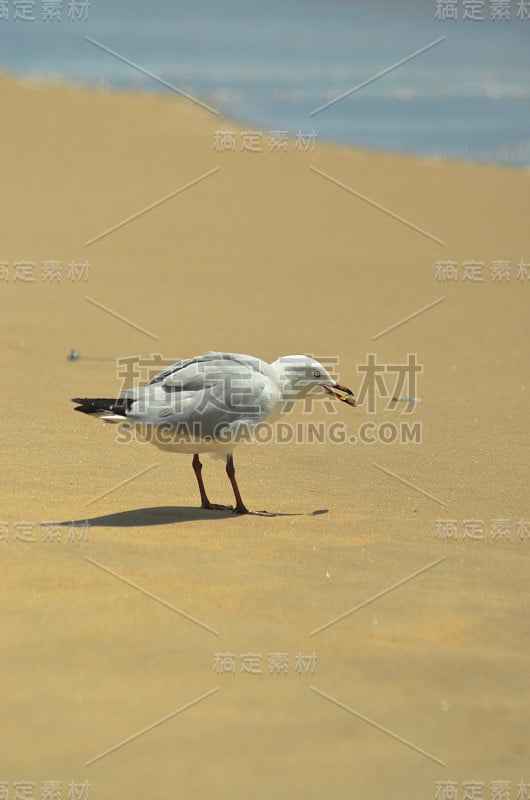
<point>316,373</point>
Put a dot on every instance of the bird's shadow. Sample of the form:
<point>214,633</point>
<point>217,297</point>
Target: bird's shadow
<point>168,515</point>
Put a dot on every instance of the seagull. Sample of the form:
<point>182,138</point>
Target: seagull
<point>212,402</point>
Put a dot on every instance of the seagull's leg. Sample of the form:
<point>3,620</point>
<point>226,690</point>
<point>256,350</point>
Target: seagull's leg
<point>197,468</point>
<point>205,503</point>
<point>231,472</point>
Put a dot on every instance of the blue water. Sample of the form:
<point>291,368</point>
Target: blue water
<point>268,65</point>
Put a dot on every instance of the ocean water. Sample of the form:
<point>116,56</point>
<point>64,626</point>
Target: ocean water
<point>270,65</point>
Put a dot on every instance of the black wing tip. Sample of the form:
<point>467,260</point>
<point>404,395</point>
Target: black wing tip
<point>89,405</point>
<point>86,406</point>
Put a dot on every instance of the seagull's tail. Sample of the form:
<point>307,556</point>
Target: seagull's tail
<point>108,410</point>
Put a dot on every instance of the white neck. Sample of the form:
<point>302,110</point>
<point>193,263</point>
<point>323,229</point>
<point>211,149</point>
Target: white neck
<point>287,373</point>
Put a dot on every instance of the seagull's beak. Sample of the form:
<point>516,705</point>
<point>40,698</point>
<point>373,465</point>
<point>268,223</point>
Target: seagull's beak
<point>340,393</point>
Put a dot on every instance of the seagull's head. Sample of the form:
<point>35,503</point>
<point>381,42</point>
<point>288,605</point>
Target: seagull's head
<point>302,375</point>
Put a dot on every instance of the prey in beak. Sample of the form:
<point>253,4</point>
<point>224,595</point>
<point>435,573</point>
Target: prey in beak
<point>341,393</point>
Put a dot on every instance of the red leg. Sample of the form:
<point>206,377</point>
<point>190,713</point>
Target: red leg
<point>231,472</point>
<point>205,503</point>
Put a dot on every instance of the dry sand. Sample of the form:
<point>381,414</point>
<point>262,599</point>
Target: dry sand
<point>265,257</point>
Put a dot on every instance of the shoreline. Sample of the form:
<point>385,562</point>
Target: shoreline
<point>28,81</point>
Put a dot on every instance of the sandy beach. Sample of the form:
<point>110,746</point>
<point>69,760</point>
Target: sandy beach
<point>269,253</point>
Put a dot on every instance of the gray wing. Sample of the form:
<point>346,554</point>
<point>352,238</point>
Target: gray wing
<point>183,373</point>
<point>206,394</point>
